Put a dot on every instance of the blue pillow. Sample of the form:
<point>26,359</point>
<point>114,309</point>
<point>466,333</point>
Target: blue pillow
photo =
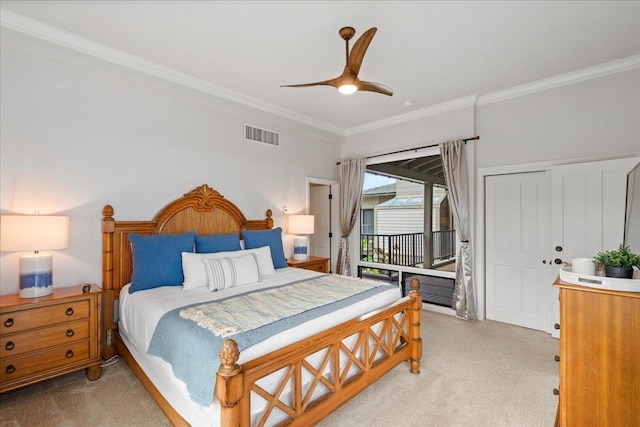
<point>157,259</point>
<point>272,238</point>
<point>218,243</point>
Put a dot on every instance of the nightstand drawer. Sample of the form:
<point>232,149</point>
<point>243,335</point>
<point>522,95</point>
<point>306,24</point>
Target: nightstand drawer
<point>313,263</point>
<point>44,316</point>
<point>17,344</point>
<point>317,266</point>
<point>22,366</point>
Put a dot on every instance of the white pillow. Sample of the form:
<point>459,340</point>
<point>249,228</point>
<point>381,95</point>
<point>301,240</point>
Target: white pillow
<point>229,272</point>
<point>195,275</point>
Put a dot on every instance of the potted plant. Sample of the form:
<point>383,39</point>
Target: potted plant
<point>618,263</point>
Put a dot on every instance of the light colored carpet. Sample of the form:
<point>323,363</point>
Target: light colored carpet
<point>473,373</point>
<point>116,399</point>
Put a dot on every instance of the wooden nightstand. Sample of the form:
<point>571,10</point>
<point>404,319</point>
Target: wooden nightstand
<point>44,337</point>
<point>314,263</point>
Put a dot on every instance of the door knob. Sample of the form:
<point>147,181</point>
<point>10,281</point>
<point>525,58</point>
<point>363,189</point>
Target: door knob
<point>557,261</point>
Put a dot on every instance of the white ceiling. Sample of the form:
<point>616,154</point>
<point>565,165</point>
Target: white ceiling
<point>430,52</point>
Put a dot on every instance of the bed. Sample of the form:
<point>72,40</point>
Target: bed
<point>292,377</point>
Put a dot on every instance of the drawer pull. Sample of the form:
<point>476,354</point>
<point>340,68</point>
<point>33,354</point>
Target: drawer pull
<point>70,333</point>
<point>9,322</point>
<point>556,391</point>
<point>69,311</point>
<point>69,354</point>
<point>556,358</point>
<point>556,326</point>
<point>9,345</point>
<point>10,369</point>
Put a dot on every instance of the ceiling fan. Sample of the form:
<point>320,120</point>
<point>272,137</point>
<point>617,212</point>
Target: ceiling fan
<point>348,82</point>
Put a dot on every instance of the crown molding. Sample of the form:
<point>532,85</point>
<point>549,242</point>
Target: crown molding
<point>600,70</point>
<point>16,22</point>
<point>432,110</point>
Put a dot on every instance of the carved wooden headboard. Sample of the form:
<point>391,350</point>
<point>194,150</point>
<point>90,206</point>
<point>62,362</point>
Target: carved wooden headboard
<point>203,210</point>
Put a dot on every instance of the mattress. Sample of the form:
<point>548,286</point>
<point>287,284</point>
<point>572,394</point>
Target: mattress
<point>141,311</point>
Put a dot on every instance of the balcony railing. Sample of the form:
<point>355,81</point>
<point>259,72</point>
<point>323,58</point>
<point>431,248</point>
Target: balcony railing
<point>406,249</point>
<point>443,245</point>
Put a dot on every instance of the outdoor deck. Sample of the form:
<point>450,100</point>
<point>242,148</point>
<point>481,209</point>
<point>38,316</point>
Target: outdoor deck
<point>408,249</point>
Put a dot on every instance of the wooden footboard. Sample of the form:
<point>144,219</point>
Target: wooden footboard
<point>369,347</point>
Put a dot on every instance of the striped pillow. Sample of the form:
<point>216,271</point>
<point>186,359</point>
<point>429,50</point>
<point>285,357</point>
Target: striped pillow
<point>225,273</point>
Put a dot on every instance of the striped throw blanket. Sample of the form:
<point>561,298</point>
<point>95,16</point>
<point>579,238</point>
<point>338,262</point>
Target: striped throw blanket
<point>189,338</point>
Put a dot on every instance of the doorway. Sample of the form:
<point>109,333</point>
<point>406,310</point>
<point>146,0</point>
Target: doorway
<point>323,203</point>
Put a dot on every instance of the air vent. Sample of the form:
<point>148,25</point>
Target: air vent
<point>252,133</point>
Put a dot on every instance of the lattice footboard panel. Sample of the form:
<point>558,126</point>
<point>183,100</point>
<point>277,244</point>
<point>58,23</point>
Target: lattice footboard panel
<point>325,370</point>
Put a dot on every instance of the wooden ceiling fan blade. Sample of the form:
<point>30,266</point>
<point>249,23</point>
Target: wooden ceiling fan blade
<point>374,87</point>
<point>331,82</point>
<point>359,49</point>
<point>348,82</point>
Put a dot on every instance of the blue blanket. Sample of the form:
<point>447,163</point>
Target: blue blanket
<point>189,343</point>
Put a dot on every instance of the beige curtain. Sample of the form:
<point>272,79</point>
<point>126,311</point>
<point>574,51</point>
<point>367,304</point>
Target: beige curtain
<point>351,181</point>
<point>455,172</point>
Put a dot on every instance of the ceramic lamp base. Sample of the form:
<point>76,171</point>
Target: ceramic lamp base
<point>300,248</point>
<point>36,277</point>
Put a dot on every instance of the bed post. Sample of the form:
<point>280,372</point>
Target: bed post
<point>229,384</point>
<point>108,228</point>
<point>269,219</point>
<point>416,340</point>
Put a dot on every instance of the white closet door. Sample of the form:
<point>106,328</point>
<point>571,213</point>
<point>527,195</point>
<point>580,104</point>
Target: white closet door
<point>588,202</point>
<point>584,215</point>
<point>517,233</point>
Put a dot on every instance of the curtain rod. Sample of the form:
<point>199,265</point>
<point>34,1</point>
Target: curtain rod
<point>475,138</point>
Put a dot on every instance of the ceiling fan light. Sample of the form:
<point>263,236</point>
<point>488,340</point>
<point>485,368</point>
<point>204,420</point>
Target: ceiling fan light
<point>348,89</point>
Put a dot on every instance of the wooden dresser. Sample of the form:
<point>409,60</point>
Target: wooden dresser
<point>314,263</point>
<point>44,337</point>
<point>599,357</point>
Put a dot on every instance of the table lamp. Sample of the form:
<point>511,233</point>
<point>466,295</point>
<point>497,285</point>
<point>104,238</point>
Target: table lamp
<point>34,233</point>
<point>300,225</point>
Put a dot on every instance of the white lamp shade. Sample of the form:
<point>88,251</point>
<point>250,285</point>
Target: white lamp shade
<point>33,232</point>
<point>301,224</point>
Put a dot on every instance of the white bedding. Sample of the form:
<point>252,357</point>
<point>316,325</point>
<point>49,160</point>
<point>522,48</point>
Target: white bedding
<point>141,311</point>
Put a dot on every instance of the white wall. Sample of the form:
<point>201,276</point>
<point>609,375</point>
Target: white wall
<point>399,220</point>
<point>424,131</point>
<point>78,133</point>
<point>590,119</point>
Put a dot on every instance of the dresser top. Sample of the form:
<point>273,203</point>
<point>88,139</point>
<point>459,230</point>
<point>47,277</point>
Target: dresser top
<point>566,285</point>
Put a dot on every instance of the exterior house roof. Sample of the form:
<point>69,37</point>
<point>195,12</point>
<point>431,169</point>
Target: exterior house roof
<point>411,201</point>
<point>387,189</point>
<point>403,202</point>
